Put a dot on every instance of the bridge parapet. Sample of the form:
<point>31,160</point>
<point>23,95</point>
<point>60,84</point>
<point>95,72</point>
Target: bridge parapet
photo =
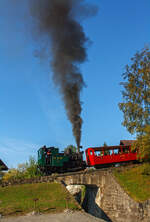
<point>98,178</point>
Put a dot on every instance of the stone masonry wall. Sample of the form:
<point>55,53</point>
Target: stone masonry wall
<point>110,197</point>
<point>118,205</point>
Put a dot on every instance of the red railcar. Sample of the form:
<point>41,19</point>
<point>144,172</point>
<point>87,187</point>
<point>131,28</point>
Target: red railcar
<point>109,155</point>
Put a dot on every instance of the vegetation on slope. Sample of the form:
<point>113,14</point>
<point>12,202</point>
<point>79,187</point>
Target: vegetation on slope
<point>24,171</point>
<point>40,197</point>
<point>135,181</point>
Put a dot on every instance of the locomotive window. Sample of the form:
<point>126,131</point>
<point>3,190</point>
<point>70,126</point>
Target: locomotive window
<point>40,154</point>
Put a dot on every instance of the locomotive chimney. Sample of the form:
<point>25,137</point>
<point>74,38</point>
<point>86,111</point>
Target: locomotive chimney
<point>78,148</point>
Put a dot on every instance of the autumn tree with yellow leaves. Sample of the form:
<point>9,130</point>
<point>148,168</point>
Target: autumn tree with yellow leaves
<point>136,99</point>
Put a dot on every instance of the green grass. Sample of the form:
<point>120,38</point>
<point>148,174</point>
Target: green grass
<point>134,182</point>
<point>20,199</point>
<point>83,191</point>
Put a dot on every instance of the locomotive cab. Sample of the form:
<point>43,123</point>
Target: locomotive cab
<point>44,155</point>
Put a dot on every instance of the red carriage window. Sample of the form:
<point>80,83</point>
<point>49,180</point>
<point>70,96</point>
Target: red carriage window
<point>91,153</point>
<point>126,150</point>
<point>117,151</point>
<point>97,153</point>
<point>111,152</point>
<point>106,152</point>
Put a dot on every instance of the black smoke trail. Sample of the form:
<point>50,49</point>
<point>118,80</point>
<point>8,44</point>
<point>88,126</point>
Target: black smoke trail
<point>60,21</point>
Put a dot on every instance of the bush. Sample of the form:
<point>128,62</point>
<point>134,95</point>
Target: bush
<point>146,169</point>
<point>142,144</point>
<point>12,175</point>
<point>90,169</point>
<point>23,171</point>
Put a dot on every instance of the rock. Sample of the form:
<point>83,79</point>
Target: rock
<point>68,211</point>
<point>74,189</point>
<point>33,213</point>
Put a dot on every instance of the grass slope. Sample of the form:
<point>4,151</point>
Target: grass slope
<point>41,197</point>
<point>134,182</point>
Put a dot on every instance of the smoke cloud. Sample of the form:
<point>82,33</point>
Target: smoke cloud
<point>59,21</point>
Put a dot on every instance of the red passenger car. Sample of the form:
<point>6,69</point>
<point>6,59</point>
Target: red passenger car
<point>109,155</point>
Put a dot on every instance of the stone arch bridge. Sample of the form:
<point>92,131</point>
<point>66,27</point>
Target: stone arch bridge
<point>109,197</point>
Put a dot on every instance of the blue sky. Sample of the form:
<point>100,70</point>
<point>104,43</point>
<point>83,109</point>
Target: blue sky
<point>31,111</point>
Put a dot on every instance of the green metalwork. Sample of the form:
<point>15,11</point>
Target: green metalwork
<point>51,157</point>
<point>58,160</point>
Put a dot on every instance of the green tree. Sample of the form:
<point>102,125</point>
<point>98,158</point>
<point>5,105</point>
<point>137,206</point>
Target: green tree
<point>23,171</point>
<point>136,100</point>
<point>143,142</point>
<point>106,152</point>
<point>70,147</point>
<point>32,168</point>
<point>136,93</point>
<point>105,144</point>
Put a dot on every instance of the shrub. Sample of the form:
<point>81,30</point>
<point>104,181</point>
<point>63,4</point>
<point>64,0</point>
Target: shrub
<point>23,171</point>
<point>32,169</point>
<point>142,144</point>
<point>146,169</point>
<point>11,175</point>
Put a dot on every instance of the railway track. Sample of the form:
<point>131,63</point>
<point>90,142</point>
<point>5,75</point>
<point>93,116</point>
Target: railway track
<point>93,170</point>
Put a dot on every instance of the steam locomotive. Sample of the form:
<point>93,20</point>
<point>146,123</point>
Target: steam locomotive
<point>50,160</point>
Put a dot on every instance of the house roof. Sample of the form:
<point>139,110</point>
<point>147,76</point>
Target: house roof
<point>3,166</point>
<point>127,142</point>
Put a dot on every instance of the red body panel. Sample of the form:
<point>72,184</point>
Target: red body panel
<point>109,155</point>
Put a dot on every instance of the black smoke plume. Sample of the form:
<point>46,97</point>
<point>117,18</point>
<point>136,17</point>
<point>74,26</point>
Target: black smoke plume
<point>59,21</point>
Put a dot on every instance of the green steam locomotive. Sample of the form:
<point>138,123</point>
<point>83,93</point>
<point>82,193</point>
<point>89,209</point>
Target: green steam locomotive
<point>50,160</point>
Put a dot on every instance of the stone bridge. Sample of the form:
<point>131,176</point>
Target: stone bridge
<point>106,199</point>
<point>96,177</point>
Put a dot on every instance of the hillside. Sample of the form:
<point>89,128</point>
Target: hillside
<point>135,181</point>
<point>40,197</point>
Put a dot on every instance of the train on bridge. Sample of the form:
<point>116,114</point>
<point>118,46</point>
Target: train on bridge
<point>50,160</point>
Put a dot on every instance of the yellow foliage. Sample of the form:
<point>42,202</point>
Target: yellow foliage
<point>143,143</point>
<point>24,170</point>
<point>10,175</point>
